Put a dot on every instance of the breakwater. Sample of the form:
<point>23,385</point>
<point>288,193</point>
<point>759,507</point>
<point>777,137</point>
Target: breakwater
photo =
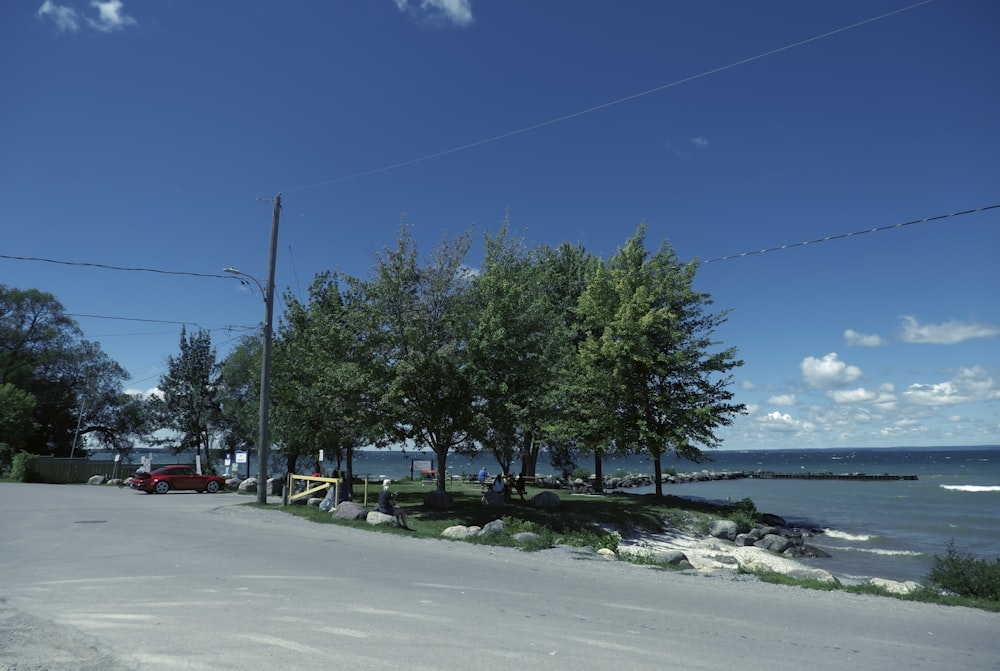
<point>633,480</point>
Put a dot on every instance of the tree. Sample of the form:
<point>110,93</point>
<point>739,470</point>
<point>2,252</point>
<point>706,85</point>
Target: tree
<point>239,396</point>
<point>190,403</point>
<point>656,384</point>
<point>325,396</point>
<point>417,318</point>
<point>510,334</point>
<point>16,423</point>
<point>72,381</point>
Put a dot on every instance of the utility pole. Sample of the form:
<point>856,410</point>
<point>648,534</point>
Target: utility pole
<point>263,445</point>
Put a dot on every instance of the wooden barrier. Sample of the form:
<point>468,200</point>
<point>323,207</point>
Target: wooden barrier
<point>310,488</point>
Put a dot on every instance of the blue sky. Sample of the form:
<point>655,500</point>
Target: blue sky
<point>154,134</point>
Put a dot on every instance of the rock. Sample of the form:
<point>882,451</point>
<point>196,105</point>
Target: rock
<point>375,518</point>
<point>674,558</point>
<point>494,527</point>
<point>493,499</point>
<point>438,500</point>
<point>774,543</point>
<point>115,482</point>
<point>812,574</point>
<point>546,500</point>
<point>248,485</point>
<point>275,486</point>
<point>724,529</point>
<point>349,510</point>
<point>526,537</point>
<point>894,586</point>
<point>773,520</point>
<point>315,501</point>
<point>96,480</point>
<point>233,483</point>
<point>605,552</point>
<point>457,531</point>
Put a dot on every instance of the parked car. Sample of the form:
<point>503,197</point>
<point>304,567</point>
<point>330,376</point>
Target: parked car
<point>162,480</point>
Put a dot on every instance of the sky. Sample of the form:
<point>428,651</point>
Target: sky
<point>154,136</point>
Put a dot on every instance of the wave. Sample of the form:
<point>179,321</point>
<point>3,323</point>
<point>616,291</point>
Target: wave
<point>888,553</point>
<point>843,535</point>
<point>972,488</point>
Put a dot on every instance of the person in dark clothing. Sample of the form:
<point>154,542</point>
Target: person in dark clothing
<point>387,505</point>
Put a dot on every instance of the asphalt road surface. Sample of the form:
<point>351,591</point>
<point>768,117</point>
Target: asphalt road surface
<point>109,579</point>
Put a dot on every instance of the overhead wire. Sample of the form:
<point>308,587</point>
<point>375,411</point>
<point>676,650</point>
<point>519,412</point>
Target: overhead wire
<point>611,103</point>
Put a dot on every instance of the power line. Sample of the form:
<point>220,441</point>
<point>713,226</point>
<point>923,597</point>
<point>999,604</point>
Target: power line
<point>612,103</point>
<point>110,267</point>
<point>841,236</point>
<point>228,327</point>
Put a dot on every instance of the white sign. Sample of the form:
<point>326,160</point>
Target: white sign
<point>241,457</point>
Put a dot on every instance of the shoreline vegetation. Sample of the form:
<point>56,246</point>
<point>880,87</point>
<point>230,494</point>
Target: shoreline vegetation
<point>666,533</point>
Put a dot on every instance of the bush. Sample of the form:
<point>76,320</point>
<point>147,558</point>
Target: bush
<point>744,513</point>
<point>23,468</point>
<point>962,574</point>
<point>581,473</point>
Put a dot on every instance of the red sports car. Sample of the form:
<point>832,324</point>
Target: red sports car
<point>163,479</point>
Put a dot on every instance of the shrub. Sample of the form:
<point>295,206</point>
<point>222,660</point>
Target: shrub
<point>23,468</point>
<point>581,473</point>
<point>744,513</point>
<point>961,573</point>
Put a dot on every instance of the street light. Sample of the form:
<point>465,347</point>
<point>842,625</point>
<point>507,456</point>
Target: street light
<point>267,292</point>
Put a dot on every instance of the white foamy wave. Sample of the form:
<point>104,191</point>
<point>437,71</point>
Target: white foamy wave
<point>843,535</point>
<point>887,553</point>
<point>972,488</point>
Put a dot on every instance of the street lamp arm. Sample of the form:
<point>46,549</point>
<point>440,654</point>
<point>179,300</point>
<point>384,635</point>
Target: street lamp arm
<point>248,276</point>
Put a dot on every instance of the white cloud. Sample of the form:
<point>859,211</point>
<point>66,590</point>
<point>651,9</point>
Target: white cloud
<point>969,385</point>
<point>455,12</point>
<point>783,400</point>
<point>109,16</point>
<point>65,18</point>
<point>859,395</point>
<point>700,142</point>
<point>854,339</point>
<point>947,333</point>
<point>829,371</point>
<point>782,422</point>
<point>147,394</point>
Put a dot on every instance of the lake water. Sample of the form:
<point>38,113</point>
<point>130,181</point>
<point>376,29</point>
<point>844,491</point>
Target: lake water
<point>890,529</point>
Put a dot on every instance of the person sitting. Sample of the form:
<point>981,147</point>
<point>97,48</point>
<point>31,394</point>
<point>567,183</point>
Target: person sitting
<point>519,485</point>
<point>482,475</point>
<point>387,505</point>
<point>498,484</point>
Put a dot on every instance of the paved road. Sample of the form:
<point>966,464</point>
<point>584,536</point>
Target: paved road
<point>102,578</point>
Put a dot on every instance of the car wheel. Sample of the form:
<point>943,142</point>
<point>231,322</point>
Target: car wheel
<point>212,487</point>
<point>162,487</point>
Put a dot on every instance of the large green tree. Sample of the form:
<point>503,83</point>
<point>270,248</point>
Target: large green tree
<point>656,377</point>
<point>325,396</point>
<point>417,321</point>
<point>72,381</point>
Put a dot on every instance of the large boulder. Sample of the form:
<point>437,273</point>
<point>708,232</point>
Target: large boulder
<point>493,499</point>
<point>248,485</point>
<point>233,483</point>
<point>349,510</point>
<point>774,543</point>
<point>96,480</point>
<point>459,531</point>
<point>726,529</point>
<point>438,500</point>
<point>375,518</point>
<point>275,486</point>
<point>546,500</point>
<point>894,586</point>
<point>494,527</point>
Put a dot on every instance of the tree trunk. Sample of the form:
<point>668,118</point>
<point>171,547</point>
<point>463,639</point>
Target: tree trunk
<point>529,455</point>
<point>657,475</point>
<point>442,457</point>
<point>598,471</point>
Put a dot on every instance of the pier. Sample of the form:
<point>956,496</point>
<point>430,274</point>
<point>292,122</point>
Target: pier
<point>770,475</point>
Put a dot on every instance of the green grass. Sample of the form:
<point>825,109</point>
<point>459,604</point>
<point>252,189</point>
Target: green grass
<point>596,521</point>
